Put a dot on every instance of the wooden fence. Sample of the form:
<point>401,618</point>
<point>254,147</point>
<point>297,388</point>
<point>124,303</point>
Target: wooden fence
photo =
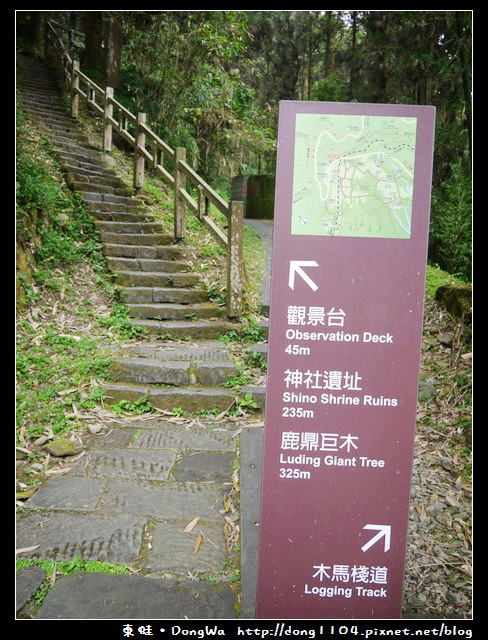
<point>151,150</point>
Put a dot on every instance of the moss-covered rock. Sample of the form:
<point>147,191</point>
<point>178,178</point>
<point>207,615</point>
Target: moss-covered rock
<point>456,299</point>
<point>63,447</point>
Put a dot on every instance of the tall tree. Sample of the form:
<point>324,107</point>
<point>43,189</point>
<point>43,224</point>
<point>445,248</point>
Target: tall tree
<point>103,45</point>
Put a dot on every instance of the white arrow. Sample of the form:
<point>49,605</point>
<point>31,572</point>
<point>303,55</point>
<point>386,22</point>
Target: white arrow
<point>384,530</point>
<point>296,267</point>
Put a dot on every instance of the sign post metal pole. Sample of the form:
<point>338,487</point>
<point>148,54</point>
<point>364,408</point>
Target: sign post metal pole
<point>350,246</point>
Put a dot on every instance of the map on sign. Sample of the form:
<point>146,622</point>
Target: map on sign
<point>353,175</point>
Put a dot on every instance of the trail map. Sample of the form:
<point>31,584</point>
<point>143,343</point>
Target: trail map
<point>353,175</point>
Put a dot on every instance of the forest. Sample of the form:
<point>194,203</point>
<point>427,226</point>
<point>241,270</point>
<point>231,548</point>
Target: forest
<point>211,81</point>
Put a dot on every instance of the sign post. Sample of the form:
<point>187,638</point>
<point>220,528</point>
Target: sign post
<point>350,246</point>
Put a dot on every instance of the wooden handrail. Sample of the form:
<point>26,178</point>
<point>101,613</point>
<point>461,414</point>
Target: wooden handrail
<point>150,148</point>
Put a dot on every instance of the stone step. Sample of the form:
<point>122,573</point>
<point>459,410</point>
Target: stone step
<point>99,189</point>
<point>185,329</point>
<point>89,169</point>
<point>75,154</point>
<point>156,279</point>
<point>40,91</point>
<point>146,239</point>
<point>102,187</point>
<point>205,364</point>
<point>80,182</point>
<point>258,394</point>
<point>53,119</point>
<point>115,202</point>
<point>90,172</point>
<point>144,264</point>
<point>122,216</point>
<point>175,311</point>
<point>147,371</point>
<point>63,130</point>
<point>90,160</point>
<point>149,295</point>
<point>133,228</point>
<point>144,252</point>
<point>191,399</point>
<point>44,110</point>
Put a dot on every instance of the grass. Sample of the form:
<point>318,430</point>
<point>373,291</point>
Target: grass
<point>71,321</point>
<point>436,278</point>
<point>56,570</point>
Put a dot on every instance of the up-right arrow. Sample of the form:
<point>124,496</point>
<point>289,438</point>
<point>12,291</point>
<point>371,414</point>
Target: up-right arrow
<point>384,530</point>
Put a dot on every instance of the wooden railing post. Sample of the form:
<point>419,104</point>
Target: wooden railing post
<point>75,85</point>
<point>108,110</point>
<point>179,205</point>
<point>140,142</point>
<point>235,270</point>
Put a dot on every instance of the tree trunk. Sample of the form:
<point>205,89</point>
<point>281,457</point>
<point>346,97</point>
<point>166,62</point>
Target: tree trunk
<point>113,46</point>
<point>92,57</point>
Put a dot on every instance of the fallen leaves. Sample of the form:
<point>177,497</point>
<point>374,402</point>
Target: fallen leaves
<point>199,538</point>
<point>438,560</point>
<point>27,549</point>
<point>191,525</point>
<point>231,532</point>
<point>198,543</point>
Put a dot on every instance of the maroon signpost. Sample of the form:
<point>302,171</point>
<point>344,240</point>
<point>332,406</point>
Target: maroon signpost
<point>350,245</point>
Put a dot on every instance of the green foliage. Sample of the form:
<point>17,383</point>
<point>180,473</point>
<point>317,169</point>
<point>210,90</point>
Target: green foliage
<point>119,319</point>
<point>196,98</point>
<point>138,407</point>
<point>54,372</point>
<point>211,81</point>
<point>64,333</point>
<point>36,190</point>
<point>436,277</point>
<point>451,236</point>
<point>51,218</point>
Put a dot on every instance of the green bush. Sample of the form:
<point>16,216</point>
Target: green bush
<point>450,236</point>
<point>53,218</point>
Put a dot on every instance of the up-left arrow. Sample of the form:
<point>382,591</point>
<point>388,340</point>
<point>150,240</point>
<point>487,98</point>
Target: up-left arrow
<point>296,267</point>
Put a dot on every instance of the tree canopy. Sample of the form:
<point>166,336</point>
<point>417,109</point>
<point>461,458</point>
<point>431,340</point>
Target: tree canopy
<point>211,81</point>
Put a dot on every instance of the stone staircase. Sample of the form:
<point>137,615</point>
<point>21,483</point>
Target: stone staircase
<point>182,363</point>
